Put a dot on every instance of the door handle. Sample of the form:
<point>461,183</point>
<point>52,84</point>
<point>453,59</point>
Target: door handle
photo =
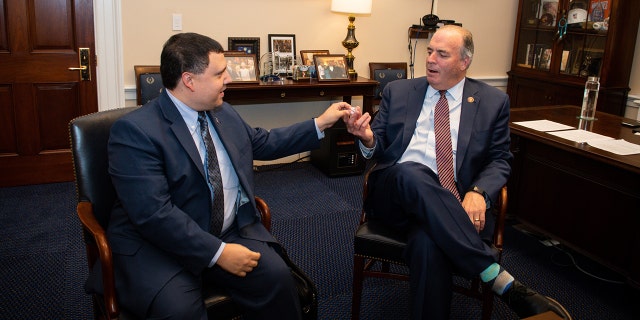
<point>84,57</point>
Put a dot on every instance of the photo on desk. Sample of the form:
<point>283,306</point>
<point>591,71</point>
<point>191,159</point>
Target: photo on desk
<point>331,67</point>
<point>282,48</point>
<point>242,67</point>
<point>306,56</point>
<point>244,44</point>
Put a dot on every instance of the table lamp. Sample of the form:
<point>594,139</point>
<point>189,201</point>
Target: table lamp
<point>351,7</point>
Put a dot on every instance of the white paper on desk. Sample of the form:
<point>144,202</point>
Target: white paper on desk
<point>580,135</point>
<point>544,125</point>
<point>620,146</point>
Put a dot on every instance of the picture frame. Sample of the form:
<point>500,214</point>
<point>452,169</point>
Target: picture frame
<point>249,45</point>
<point>548,13</point>
<point>306,56</point>
<point>243,68</point>
<point>233,52</point>
<point>331,67</point>
<point>282,48</point>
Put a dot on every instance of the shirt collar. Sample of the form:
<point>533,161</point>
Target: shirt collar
<point>455,91</point>
<point>189,115</point>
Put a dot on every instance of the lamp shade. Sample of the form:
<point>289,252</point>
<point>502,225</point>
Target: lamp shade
<point>351,6</point>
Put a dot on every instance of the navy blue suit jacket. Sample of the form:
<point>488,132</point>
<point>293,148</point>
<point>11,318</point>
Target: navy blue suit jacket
<point>483,157</point>
<point>160,224</point>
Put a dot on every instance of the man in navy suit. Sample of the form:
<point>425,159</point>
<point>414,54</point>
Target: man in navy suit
<point>159,230</point>
<point>445,233</point>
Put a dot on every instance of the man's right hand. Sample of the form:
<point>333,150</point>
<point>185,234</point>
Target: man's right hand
<point>238,259</point>
<point>358,125</point>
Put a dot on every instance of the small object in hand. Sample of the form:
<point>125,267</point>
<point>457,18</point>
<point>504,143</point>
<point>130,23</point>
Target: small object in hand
<point>353,110</point>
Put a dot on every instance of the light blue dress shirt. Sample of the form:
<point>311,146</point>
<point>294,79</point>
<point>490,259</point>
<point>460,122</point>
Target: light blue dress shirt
<point>422,148</point>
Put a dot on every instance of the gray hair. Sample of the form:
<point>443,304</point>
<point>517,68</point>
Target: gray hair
<point>467,40</point>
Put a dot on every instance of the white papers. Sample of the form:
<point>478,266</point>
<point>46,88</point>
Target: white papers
<point>543,125</point>
<point>620,146</point>
<point>580,136</point>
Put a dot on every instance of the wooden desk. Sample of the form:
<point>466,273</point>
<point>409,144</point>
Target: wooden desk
<point>304,90</point>
<point>584,197</point>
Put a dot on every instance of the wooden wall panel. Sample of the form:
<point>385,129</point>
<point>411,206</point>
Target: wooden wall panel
<point>8,144</point>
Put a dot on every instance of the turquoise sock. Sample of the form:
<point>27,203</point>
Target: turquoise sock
<point>499,279</point>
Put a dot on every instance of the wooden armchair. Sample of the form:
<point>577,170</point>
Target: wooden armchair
<point>374,243</point>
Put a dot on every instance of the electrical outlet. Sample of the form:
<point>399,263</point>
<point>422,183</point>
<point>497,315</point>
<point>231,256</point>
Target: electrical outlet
<point>177,22</point>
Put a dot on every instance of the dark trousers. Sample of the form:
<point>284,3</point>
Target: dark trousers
<point>441,238</point>
<point>267,292</point>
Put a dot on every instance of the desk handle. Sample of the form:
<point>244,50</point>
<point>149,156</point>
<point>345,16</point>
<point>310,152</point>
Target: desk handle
<point>283,94</point>
<point>322,93</point>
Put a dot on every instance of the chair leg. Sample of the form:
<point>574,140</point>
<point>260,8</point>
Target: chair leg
<point>358,278</point>
<point>487,302</point>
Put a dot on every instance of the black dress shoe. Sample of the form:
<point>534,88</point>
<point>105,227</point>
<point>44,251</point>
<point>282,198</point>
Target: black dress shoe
<point>526,302</point>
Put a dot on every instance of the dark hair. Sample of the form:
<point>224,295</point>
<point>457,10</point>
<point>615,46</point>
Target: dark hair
<point>185,52</point>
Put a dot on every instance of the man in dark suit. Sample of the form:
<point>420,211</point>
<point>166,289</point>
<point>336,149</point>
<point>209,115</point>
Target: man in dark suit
<point>162,243</point>
<point>444,217</point>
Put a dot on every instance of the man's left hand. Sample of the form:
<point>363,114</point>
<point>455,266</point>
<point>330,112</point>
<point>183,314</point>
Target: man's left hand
<point>475,206</point>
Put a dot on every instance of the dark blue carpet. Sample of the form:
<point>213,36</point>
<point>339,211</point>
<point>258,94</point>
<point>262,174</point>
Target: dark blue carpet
<point>42,265</point>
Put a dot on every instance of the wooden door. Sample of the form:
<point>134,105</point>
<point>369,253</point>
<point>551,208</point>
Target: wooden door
<point>39,95</point>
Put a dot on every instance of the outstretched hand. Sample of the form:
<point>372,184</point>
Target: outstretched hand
<point>238,259</point>
<point>358,124</point>
<point>335,112</point>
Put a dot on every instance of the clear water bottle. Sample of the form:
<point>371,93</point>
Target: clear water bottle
<point>588,111</point>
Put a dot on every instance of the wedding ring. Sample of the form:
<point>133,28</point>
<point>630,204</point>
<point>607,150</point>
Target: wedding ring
<point>476,219</point>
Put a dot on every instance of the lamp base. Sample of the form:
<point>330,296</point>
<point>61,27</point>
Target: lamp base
<point>353,75</point>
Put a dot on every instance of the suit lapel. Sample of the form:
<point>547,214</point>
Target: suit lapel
<point>469,110</point>
<point>180,130</point>
<point>218,119</point>
<point>413,109</point>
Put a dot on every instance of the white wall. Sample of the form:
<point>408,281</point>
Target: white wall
<point>146,25</point>
<point>382,35</point>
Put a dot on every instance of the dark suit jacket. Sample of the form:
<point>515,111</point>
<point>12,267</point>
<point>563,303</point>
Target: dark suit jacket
<point>483,157</point>
<point>160,225</point>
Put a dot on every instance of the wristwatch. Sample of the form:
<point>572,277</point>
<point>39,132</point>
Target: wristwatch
<point>484,194</point>
<point>478,190</point>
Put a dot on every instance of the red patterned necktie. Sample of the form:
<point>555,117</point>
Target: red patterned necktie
<point>213,173</point>
<point>444,151</point>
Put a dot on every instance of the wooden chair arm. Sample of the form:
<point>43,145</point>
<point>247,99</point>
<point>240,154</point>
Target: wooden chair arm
<point>501,206</point>
<point>91,225</point>
<point>265,212</point>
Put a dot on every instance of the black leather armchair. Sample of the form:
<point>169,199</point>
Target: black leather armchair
<point>96,195</point>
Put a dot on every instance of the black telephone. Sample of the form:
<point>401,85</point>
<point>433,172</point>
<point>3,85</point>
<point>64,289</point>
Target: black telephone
<point>430,20</point>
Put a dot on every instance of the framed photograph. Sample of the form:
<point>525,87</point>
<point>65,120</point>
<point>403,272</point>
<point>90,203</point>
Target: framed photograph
<point>331,67</point>
<point>283,48</point>
<point>247,45</point>
<point>243,68</point>
<point>548,12</point>
<point>232,52</point>
<point>306,56</point>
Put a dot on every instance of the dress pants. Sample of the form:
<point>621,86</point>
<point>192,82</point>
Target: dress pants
<point>267,292</point>
<point>441,238</point>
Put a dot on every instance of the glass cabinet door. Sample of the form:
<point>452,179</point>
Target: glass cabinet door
<point>563,36</point>
<point>535,47</point>
<point>584,43</point>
